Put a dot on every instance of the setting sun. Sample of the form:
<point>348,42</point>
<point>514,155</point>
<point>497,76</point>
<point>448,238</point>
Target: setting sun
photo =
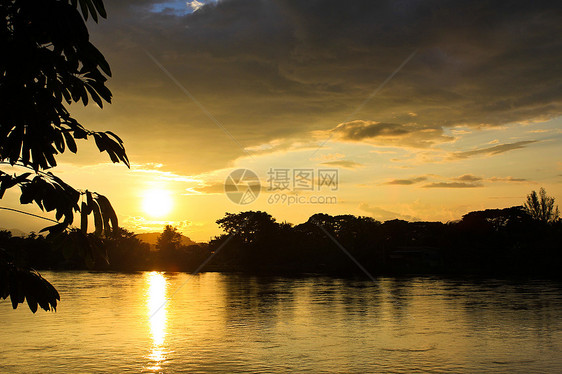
<point>157,202</point>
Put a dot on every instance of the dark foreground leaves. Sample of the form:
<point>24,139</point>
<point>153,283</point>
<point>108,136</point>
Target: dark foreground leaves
<point>25,284</point>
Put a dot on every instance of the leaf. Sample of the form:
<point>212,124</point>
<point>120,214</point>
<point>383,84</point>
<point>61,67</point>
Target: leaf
<point>80,133</point>
<point>83,94</point>
<point>92,10</point>
<point>49,156</point>
<point>32,303</point>
<point>114,148</point>
<point>89,201</point>
<point>55,229</point>
<point>101,61</point>
<point>7,181</point>
<point>25,154</point>
<point>98,223</point>
<point>70,143</point>
<point>100,141</point>
<point>115,136</point>
<point>25,284</point>
<point>59,141</point>
<point>84,9</point>
<point>94,95</point>
<point>103,91</point>
<point>108,214</point>
<point>66,94</point>
<point>13,144</point>
<point>100,8</point>
<point>84,218</point>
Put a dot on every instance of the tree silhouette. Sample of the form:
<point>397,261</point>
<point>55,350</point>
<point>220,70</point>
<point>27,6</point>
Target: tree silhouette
<point>541,207</point>
<point>168,244</point>
<point>169,240</point>
<point>47,64</point>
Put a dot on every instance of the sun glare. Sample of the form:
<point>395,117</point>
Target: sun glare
<point>157,202</point>
<point>157,313</point>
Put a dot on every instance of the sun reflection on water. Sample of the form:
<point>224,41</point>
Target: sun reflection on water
<point>157,313</point>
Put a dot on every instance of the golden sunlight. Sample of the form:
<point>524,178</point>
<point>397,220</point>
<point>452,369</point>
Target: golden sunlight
<point>156,303</point>
<point>157,202</point>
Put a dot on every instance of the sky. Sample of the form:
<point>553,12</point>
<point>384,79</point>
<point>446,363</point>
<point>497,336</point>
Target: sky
<point>423,110</point>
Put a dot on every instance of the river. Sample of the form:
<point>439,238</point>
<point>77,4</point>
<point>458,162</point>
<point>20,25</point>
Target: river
<point>229,323</point>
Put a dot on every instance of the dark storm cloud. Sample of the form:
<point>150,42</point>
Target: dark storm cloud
<point>278,69</point>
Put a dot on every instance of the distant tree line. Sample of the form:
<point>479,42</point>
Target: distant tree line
<point>490,242</point>
<point>520,240</point>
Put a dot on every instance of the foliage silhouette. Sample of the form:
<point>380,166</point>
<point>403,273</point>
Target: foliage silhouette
<point>541,207</point>
<point>47,64</point>
<point>24,285</point>
<point>492,242</point>
<point>169,240</point>
<point>168,244</point>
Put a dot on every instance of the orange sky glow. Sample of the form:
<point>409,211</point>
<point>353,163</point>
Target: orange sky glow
<point>424,117</point>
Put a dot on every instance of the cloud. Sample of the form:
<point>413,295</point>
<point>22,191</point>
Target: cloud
<point>347,164</point>
<point>468,178</point>
<point>460,132</point>
<point>283,69</point>
<point>141,224</point>
<point>489,151</point>
<point>283,145</point>
<point>452,185</point>
<point>508,179</point>
<point>207,189</point>
<point>405,182</point>
<point>463,181</point>
<point>390,134</point>
<point>380,152</point>
<point>155,170</point>
<point>385,215</point>
<point>329,157</point>
<point>216,188</point>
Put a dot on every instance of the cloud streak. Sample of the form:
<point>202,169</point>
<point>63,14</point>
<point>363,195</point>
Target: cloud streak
<point>385,215</point>
<point>452,185</point>
<point>508,179</point>
<point>468,178</point>
<point>490,151</point>
<point>346,164</point>
<point>406,182</point>
<point>390,134</point>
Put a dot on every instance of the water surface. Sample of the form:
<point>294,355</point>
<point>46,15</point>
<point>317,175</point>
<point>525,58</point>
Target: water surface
<point>228,323</point>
